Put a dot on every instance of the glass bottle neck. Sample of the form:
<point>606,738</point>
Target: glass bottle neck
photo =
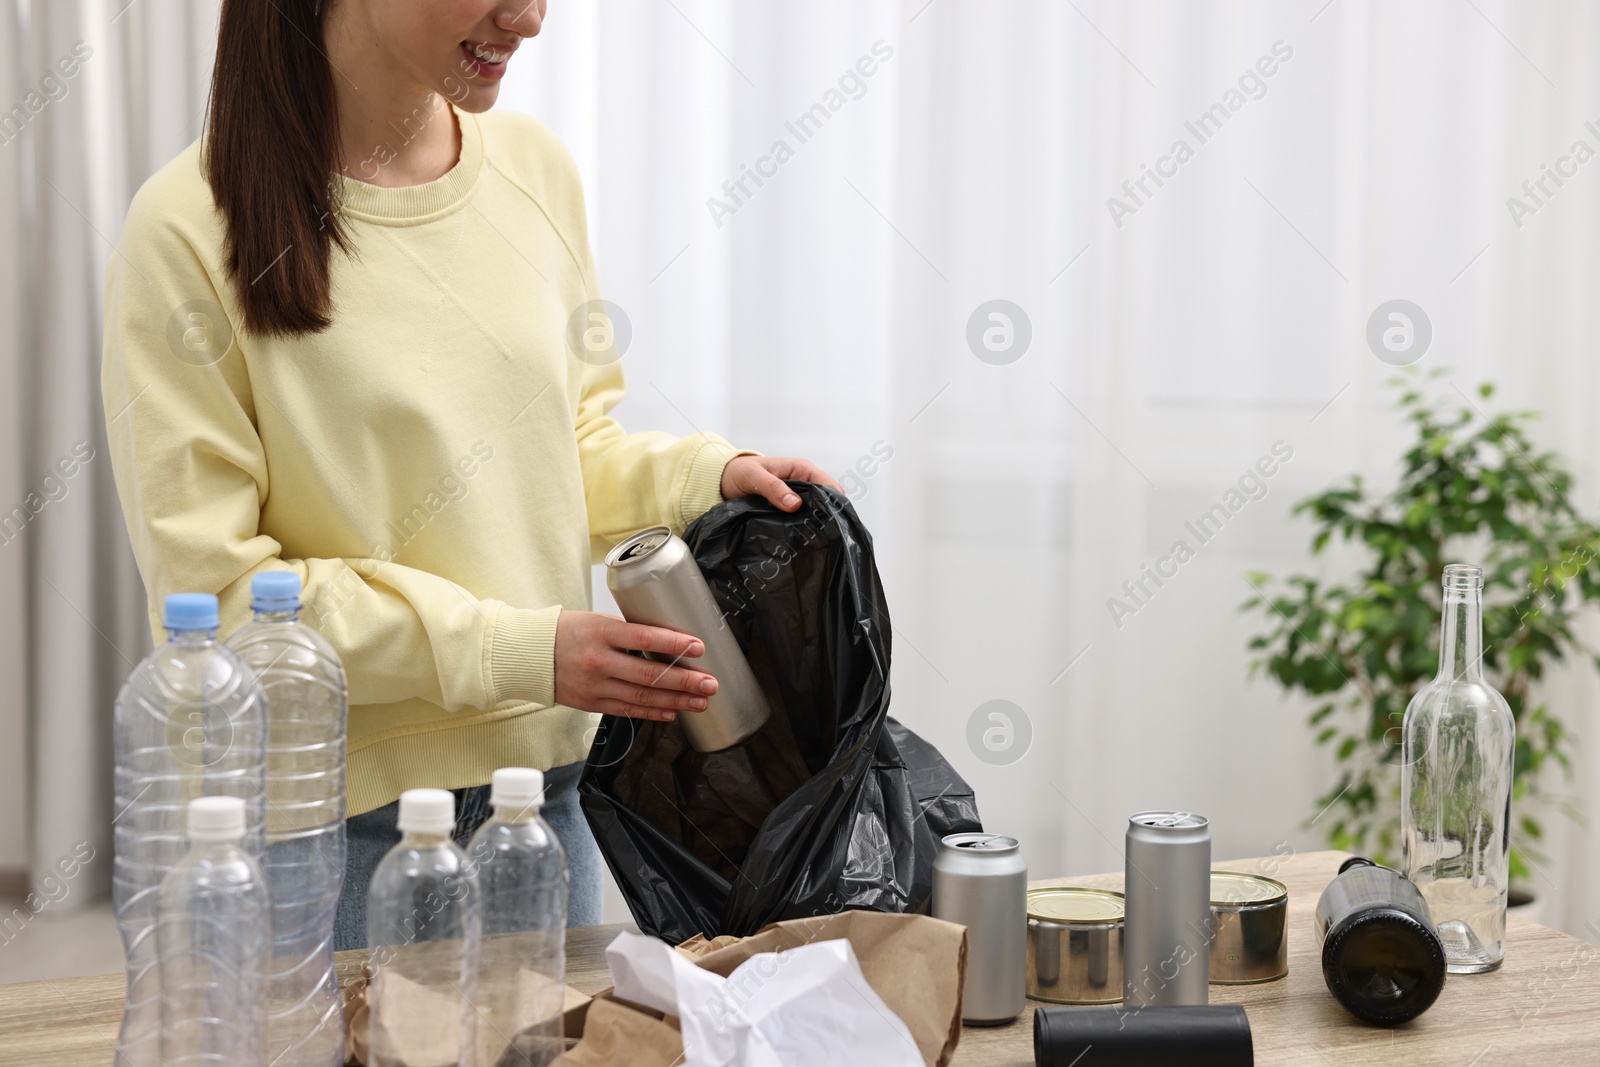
<point>1461,635</point>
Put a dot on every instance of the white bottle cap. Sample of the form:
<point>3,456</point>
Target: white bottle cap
<point>517,787</point>
<point>216,819</point>
<point>428,811</point>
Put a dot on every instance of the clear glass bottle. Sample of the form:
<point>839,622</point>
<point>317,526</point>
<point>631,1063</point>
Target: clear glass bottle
<point>191,721</point>
<point>522,877</point>
<point>213,940</point>
<point>306,710</point>
<point>423,929</point>
<point>1455,787</point>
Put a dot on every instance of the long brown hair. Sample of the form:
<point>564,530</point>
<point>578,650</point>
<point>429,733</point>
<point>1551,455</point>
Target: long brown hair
<point>272,142</point>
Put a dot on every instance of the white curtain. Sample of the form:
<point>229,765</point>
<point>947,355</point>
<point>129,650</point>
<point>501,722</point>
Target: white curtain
<point>98,94</point>
<point>827,314</point>
<point>824,311</point>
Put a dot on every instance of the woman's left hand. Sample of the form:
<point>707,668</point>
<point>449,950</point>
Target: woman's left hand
<point>764,476</point>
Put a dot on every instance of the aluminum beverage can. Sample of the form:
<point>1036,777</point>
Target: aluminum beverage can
<point>656,582</point>
<point>981,882</point>
<point>1168,930</point>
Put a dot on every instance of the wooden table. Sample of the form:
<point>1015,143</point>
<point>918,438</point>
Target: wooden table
<point>1541,1008</point>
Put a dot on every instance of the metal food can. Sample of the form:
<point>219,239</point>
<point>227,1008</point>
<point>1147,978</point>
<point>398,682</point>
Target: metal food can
<point>981,881</point>
<point>1248,920</point>
<point>1075,945</point>
<point>1168,898</point>
<point>656,582</point>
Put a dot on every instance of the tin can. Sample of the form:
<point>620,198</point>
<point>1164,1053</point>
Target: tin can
<point>981,882</point>
<point>1075,945</point>
<point>1168,897</point>
<point>1248,919</point>
<point>656,581</point>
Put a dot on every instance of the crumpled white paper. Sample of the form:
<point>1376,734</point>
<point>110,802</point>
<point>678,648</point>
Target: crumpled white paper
<point>805,1006</point>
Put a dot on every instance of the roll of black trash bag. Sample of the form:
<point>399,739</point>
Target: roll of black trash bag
<point>832,804</point>
<point>1198,1035</point>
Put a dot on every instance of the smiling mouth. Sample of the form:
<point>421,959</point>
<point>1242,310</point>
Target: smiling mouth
<point>486,60</point>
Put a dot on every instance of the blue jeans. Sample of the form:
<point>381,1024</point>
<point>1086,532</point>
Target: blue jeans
<point>372,834</point>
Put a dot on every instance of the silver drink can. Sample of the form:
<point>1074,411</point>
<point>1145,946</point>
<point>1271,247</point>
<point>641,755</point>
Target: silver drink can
<point>656,582</point>
<point>1167,937</point>
<point>981,882</point>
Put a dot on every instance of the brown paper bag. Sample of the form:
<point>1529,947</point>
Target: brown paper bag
<point>424,1024</point>
<point>528,1041</point>
<point>428,1036</point>
<point>915,963</point>
<point>698,946</point>
<point>355,1017</point>
<point>615,1032</point>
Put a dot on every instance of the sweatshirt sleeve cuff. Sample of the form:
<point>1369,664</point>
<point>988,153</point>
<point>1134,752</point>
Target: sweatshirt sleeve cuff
<point>522,655</point>
<point>702,489</point>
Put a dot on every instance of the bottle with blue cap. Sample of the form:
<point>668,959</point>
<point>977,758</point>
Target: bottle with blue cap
<point>522,878</point>
<point>190,722</point>
<point>307,705</point>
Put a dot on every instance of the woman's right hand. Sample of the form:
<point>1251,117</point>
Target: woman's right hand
<point>595,673</point>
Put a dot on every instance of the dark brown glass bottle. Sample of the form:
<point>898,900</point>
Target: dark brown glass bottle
<point>1381,956</point>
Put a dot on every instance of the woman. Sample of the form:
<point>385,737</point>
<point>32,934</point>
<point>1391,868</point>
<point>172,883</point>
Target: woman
<point>354,332</point>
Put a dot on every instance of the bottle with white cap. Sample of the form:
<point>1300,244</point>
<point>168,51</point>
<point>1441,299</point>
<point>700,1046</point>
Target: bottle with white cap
<point>213,937</point>
<point>307,704</point>
<point>423,923</point>
<point>191,721</point>
<point>522,877</point>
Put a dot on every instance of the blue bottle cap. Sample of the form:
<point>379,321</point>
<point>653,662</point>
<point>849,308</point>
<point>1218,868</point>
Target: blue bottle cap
<point>275,591</point>
<point>190,611</point>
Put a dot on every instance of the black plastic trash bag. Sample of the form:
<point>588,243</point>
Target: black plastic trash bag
<point>833,805</point>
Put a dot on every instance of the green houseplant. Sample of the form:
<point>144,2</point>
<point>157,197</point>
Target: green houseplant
<point>1471,488</point>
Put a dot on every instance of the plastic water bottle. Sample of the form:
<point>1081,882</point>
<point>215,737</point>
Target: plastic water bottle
<point>423,927</point>
<point>522,877</point>
<point>213,937</point>
<point>307,704</point>
<point>190,722</point>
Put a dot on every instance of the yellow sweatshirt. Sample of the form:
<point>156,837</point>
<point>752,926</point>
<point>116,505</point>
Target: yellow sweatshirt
<point>438,466</point>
